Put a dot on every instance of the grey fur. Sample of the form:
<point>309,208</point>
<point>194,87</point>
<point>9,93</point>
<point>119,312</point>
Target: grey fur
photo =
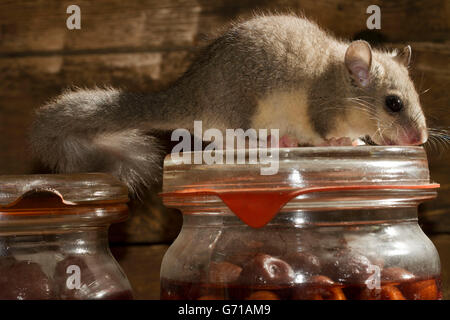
<point>107,129</point>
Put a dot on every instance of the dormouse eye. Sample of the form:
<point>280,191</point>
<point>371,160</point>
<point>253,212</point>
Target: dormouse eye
<point>394,103</point>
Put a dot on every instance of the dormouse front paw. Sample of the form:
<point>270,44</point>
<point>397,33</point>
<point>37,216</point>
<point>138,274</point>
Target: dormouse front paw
<point>334,142</point>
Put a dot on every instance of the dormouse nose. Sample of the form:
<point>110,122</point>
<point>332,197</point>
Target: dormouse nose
<point>413,136</point>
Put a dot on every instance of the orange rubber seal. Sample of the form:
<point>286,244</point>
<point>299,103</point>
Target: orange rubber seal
<point>257,206</point>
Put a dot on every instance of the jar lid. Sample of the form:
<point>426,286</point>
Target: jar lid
<point>299,171</point>
<point>73,189</point>
<point>302,168</point>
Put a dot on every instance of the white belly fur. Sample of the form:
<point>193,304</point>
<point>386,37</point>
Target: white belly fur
<point>286,111</point>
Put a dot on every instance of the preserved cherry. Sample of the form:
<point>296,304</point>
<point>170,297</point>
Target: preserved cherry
<point>223,272</point>
<point>264,269</point>
<point>306,261</point>
<point>347,266</point>
<point>265,277</point>
<point>24,280</point>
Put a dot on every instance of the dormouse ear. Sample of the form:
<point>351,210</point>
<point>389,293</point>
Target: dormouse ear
<point>358,59</point>
<point>404,57</point>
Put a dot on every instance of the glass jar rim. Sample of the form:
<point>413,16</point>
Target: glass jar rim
<point>301,168</point>
<point>33,203</point>
<point>307,178</point>
<point>72,189</point>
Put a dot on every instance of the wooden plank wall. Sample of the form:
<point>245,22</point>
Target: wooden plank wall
<point>146,44</point>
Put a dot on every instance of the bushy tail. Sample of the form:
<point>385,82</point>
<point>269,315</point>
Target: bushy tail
<point>96,131</point>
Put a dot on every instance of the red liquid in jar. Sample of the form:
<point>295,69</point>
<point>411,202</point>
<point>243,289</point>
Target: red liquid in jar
<point>417,289</point>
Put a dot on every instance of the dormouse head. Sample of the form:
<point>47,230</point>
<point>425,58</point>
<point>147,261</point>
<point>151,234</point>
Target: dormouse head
<point>382,96</point>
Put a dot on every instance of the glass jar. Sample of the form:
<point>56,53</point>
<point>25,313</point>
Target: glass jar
<point>333,223</point>
<point>54,237</point>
